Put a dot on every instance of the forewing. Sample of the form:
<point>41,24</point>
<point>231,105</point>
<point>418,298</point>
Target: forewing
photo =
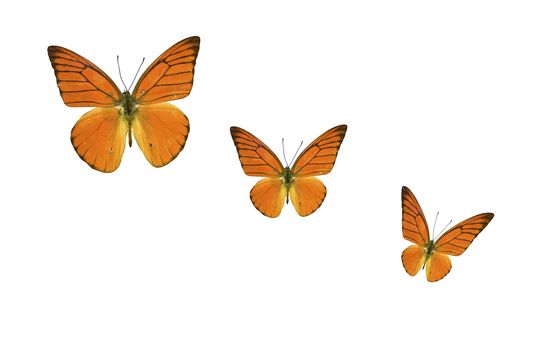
<point>319,157</point>
<point>268,196</point>
<point>160,131</point>
<point>256,158</point>
<point>99,138</point>
<point>307,194</point>
<point>458,238</point>
<point>82,83</point>
<point>413,258</point>
<point>414,225</point>
<point>437,267</point>
<point>170,76</point>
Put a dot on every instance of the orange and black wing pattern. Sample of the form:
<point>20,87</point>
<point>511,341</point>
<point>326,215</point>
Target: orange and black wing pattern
<point>161,131</point>
<point>99,138</point>
<point>268,196</point>
<point>437,267</point>
<point>170,76</point>
<point>307,194</point>
<point>414,229</point>
<point>319,157</point>
<point>414,225</point>
<point>433,256</point>
<point>458,238</point>
<point>82,83</point>
<point>256,158</point>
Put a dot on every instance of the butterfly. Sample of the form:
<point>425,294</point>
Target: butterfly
<point>160,129</point>
<point>284,183</point>
<point>429,254</point>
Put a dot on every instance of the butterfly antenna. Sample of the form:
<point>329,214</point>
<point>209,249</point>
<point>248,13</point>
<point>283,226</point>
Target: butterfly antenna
<point>445,227</point>
<point>138,71</point>
<point>295,155</point>
<point>119,69</point>
<point>284,153</point>
<point>435,223</point>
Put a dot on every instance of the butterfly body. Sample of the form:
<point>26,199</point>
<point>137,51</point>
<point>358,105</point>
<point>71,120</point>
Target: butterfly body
<point>159,128</point>
<point>282,184</point>
<point>425,253</point>
<point>127,109</point>
<point>128,106</point>
<point>287,181</point>
<point>429,250</point>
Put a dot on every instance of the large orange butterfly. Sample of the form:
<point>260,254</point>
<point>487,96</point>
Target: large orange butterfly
<point>282,183</point>
<point>160,129</point>
<point>427,253</point>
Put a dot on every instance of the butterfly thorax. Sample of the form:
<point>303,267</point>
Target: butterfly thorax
<point>430,249</point>
<point>287,177</point>
<point>128,106</point>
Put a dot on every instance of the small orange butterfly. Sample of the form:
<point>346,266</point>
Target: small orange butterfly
<point>160,129</point>
<point>282,183</point>
<point>427,253</point>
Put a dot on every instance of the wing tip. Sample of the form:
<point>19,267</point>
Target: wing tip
<point>53,49</point>
<point>342,128</point>
<point>234,132</point>
<point>488,216</point>
<point>406,192</point>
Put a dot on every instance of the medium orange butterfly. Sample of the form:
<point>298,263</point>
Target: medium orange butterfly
<point>160,129</point>
<point>429,254</point>
<point>284,183</point>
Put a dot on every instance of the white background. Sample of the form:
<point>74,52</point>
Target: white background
<point>438,96</point>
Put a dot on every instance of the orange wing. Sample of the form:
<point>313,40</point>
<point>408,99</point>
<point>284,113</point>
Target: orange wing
<point>413,258</point>
<point>170,76</point>
<point>160,131</point>
<point>268,196</point>
<point>99,138</point>
<point>414,225</point>
<point>82,83</point>
<point>437,267</point>
<point>307,194</point>
<point>319,157</point>
<point>458,238</point>
<point>256,158</point>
